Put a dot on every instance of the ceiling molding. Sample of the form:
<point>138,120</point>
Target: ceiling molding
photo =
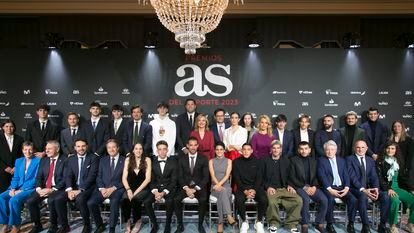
<point>251,7</point>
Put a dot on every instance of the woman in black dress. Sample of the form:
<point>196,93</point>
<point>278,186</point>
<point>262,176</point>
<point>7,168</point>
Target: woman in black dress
<point>136,178</point>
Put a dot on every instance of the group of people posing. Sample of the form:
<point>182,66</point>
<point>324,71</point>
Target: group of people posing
<point>135,164</point>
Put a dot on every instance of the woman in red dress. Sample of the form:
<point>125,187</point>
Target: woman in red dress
<point>204,136</point>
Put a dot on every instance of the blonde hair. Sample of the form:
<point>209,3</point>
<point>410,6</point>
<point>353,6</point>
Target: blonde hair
<point>198,118</point>
<point>269,124</point>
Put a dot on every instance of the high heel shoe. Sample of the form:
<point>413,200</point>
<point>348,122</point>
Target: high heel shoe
<point>231,220</point>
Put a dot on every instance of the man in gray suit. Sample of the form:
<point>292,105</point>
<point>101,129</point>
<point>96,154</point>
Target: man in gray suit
<point>69,135</point>
<point>351,133</point>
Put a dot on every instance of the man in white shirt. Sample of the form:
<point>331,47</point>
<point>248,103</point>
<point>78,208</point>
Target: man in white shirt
<point>163,128</point>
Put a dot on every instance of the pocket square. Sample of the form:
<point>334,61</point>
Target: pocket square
<point>88,166</point>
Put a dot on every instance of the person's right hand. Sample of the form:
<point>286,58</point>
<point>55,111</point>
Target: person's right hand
<point>271,191</point>
<point>130,194</point>
<point>334,192</point>
<point>392,193</point>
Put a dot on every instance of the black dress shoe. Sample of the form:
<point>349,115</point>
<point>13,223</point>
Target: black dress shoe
<point>201,229</point>
<point>180,228</point>
<point>100,228</point>
<point>86,229</point>
<point>112,230</point>
<point>154,228</point>
<point>167,228</point>
<point>36,228</point>
<point>64,229</point>
<point>304,229</point>
<point>320,228</point>
<point>330,228</point>
<point>382,228</point>
<point>365,229</point>
<point>350,228</point>
<point>52,229</point>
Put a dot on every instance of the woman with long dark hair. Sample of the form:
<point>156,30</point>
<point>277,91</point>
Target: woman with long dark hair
<point>247,122</point>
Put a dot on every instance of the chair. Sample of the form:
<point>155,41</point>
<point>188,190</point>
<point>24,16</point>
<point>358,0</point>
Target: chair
<point>187,212</point>
<point>212,212</point>
<point>250,214</point>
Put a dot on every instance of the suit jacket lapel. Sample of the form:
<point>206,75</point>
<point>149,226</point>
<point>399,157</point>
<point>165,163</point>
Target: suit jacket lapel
<point>4,141</point>
<point>119,166</point>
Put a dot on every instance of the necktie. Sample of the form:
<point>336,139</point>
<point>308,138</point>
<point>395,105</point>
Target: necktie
<point>94,125</point>
<point>221,132</point>
<point>363,172</point>
<point>73,132</point>
<point>115,127</point>
<point>43,126</point>
<point>80,170</point>
<point>161,161</point>
<point>191,121</point>
<point>136,133</point>
<point>192,164</point>
<point>10,142</point>
<point>112,166</point>
<point>50,175</point>
<point>337,180</point>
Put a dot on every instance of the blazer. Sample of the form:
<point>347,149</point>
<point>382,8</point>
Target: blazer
<point>119,136</point>
<point>321,137</point>
<point>97,138</point>
<point>359,134</point>
<point>8,158</point>
<point>105,179</point>
<point>166,180</point>
<point>382,133</point>
<point>214,129</point>
<point>325,173</point>
<point>183,129</point>
<point>200,175</point>
<point>287,147</point>
<point>59,174</point>
<point>88,175</point>
<point>297,140</point>
<point>297,172</point>
<point>382,169</point>
<point>67,141</point>
<point>25,181</point>
<point>39,137</point>
<point>267,171</point>
<point>355,173</point>
<point>144,137</point>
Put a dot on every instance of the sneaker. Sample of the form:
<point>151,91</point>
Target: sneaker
<point>294,230</point>
<point>272,229</point>
<point>258,226</point>
<point>244,227</point>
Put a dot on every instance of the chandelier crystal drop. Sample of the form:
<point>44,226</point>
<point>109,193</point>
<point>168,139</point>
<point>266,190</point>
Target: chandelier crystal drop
<point>190,20</point>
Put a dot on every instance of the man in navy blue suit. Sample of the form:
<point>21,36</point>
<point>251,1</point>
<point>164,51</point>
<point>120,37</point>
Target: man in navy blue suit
<point>376,132</point>
<point>283,135</point>
<point>327,133</point>
<point>96,130</point>
<point>334,179</point>
<point>109,185</point>
<point>219,125</point>
<point>138,131</point>
<point>365,184</point>
<point>81,172</point>
<point>184,125</point>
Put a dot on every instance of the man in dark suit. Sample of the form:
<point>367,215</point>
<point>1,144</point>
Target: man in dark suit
<point>350,133</point>
<point>97,130</point>
<point>138,131</point>
<point>117,127</point>
<point>80,175</point>
<point>365,184</point>
<point>327,133</point>
<point>70,134</point>
<point>334,179</point>
<point>50,183</point>
<point>184,126</point>
<point>10,150</point>
<point>303,178</point>
<point>303,134</point>
<point>283,135</point>
<point>163,185</point>
<point>377,133</point>
<point>41,130</point>
<point>219,125</point>
<point>109,186</point>
<point>193,176</point>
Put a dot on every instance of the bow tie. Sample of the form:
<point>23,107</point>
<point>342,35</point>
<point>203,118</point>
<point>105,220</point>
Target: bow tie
<point>162,161</point>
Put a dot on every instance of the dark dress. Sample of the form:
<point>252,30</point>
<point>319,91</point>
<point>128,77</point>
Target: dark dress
<point>406,176</point>
<point>134,181</point>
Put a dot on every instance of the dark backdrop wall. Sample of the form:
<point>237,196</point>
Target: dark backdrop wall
<point>269,81</point>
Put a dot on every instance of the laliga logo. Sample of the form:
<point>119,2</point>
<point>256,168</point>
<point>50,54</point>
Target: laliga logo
<point>198,88</point>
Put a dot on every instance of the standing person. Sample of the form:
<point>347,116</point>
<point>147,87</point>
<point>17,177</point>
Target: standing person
<point>234,137</point>
<point>388,172</point>
<point>334,179</point>
<point>350,133</point>
<point>220,171</point>
<point>303,133</point>
<point>96,129</point>
<point>377,132</point>
<point>138,131</point>
<point>248,177</point>
<point>303,178</point>
<point>262,140</point>
<point>69,135</point>
<point>135,178</point>
<point>21,187</point>
<point>163,129</point>
<point>247,122</point>
<point>185,124</point>
<point>117,127</point>
<point>41,130</point>
<point>276,175</point>
<point>327,133</point>
<point>219,126</point>
<point>204,136</point>
<point>365,184</point>
<point>50,183</point>
<point>10,150</point>
<point>406,151</point>
<point>163,185</point>
<point>108,186</point>
<point>283,135</point>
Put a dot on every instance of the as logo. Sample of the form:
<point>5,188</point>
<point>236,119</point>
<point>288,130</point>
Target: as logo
<point>199,88</point>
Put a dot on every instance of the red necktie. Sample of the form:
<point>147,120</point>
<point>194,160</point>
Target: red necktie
<point>50,176</point>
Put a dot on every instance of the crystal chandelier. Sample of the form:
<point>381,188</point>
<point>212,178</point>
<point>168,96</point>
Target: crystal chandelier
<point>190,20</point>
